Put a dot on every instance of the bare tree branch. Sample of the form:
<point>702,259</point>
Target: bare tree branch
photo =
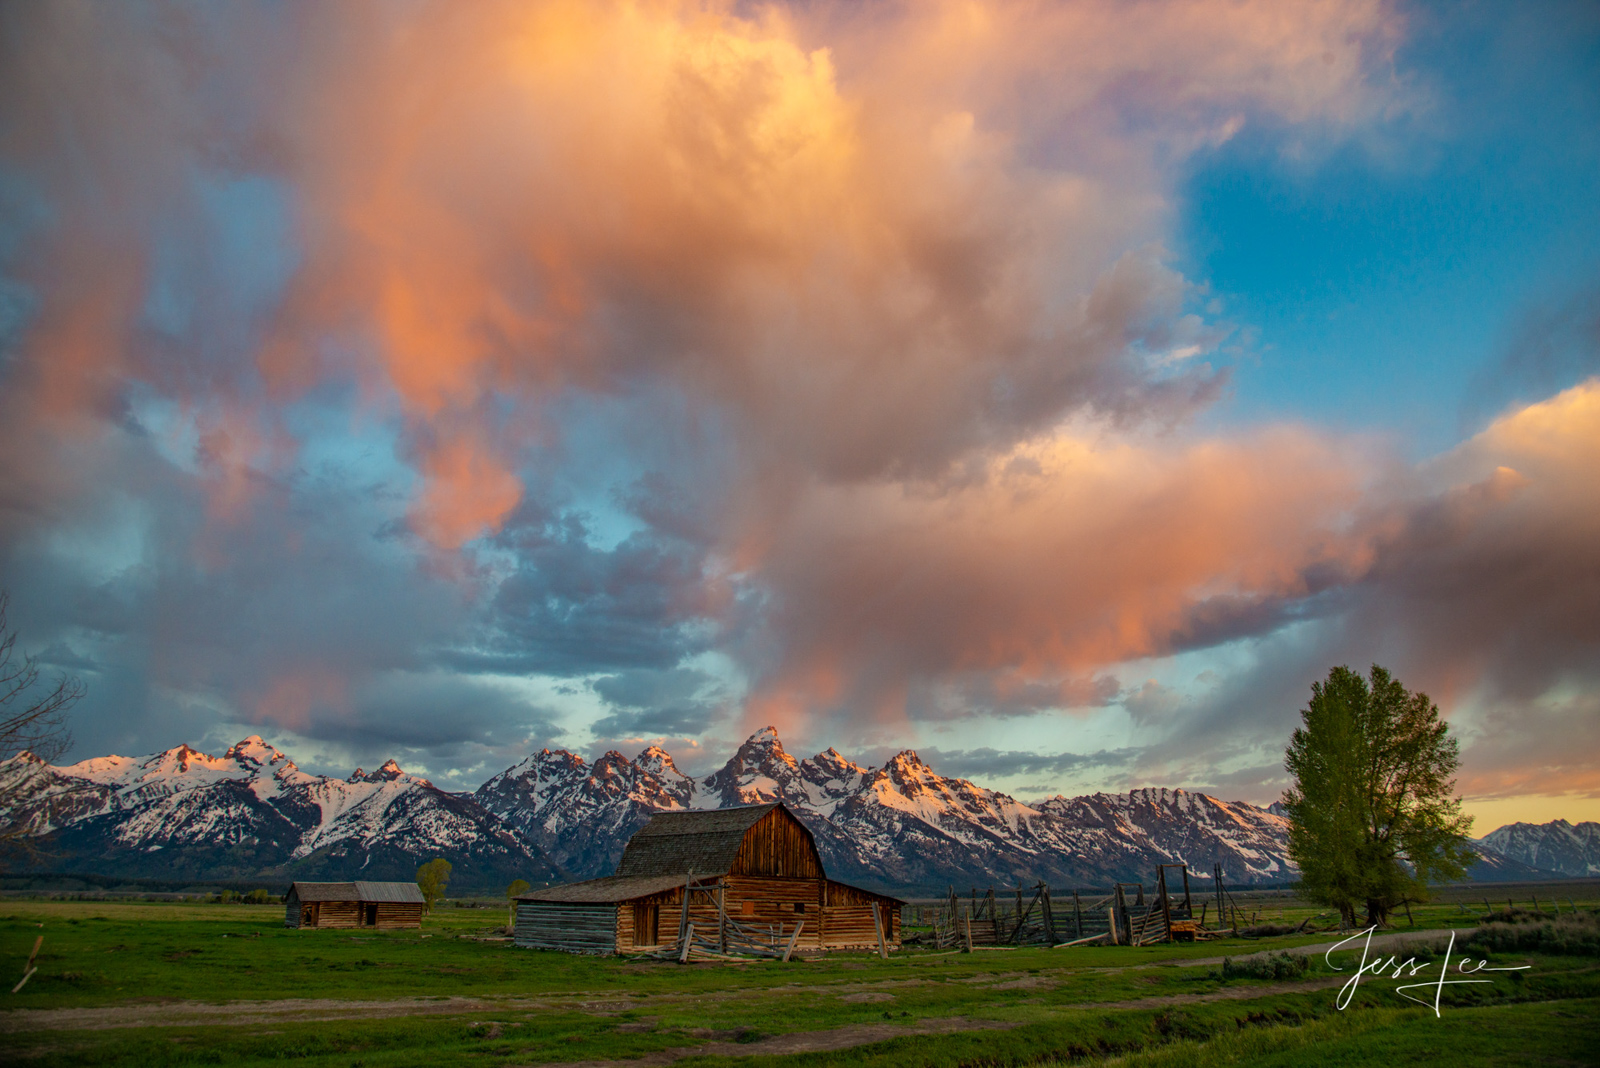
<point>32,720</point>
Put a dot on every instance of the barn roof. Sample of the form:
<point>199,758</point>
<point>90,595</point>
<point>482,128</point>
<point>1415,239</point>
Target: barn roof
<point>609,889</point>
<point>391,893</point>
<point>677,843</point>
<point>384,893</point>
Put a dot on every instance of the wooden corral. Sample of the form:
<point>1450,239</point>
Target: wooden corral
<point>1122,917</point>
<point>751,877</point>
<point>385,906</point>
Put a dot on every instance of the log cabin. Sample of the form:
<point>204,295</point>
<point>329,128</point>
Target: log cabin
<point>385,906</point>
<point>756,865</point>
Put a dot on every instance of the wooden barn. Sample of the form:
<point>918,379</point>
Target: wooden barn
<point>746,872</point>
<point>386,906</point>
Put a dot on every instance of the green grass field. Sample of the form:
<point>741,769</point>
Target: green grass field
<point>159,983</point>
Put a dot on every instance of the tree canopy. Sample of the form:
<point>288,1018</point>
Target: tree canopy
<point>432,878</point>
<point>1373,817</point>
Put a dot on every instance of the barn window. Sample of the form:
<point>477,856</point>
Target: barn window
<point>747,908</point>
<point>799,906</point>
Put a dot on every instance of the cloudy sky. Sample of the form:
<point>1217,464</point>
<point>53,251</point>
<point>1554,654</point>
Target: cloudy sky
<point>1058,389</point>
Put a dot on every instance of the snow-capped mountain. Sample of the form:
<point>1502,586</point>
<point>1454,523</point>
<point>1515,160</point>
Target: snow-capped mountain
<point>581,815</point>
<point>901,825</point>
<point>1557,846</point>
<point>252,813</point>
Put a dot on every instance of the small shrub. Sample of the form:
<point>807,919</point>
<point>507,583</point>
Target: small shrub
<point>1266,966</point>
<point>1570,935</point>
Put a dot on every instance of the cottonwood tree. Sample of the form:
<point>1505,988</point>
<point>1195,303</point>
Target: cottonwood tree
<point>432,878</point>
<point>1372,814</point>
<point>33,719</point>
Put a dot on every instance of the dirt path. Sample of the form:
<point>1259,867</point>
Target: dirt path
<point>237,1013</point>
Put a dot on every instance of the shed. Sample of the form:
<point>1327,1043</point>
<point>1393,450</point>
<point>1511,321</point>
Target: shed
<point>757,865</point>
<point>386,906</point>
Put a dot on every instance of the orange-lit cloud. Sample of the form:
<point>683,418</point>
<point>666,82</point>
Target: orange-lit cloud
<point>877,297</point>
<point>1062,559</point>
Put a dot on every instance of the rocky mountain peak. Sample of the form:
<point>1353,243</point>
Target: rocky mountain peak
<point>254,751</point>
<point>757,773</point>
<point>388,773</point>
<point>657,761</point>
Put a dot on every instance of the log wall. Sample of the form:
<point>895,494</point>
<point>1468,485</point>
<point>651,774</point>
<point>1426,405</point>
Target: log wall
<point>779,904</point>
<point>835,916</point>
<point>570,928</point>
<point>395,916</point>
<point>847,917</point>
<point>392,916</point>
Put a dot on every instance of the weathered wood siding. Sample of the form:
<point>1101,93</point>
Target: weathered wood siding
<point>702,913</point>
<point>775,904</point>
<point>335,914</point>
<point>395,916</point>
<point>391,916</point>
<point>847,918</point>
<point>567,927</point>
<point>779,846</point>
<point>836,916</point>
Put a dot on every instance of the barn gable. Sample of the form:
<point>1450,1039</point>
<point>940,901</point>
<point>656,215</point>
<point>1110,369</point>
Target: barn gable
<point>756,840</point>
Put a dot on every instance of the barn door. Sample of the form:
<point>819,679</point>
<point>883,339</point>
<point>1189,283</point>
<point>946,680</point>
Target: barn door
<point>372,913</point>
<point>646,925</point>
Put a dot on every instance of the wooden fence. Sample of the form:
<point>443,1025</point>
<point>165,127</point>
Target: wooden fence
<point>1022,916</point>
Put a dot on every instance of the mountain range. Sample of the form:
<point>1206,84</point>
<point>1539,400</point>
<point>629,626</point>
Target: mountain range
<point>251,813</point>
<point>1556,846</point>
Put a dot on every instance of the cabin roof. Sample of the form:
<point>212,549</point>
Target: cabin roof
<point>383,893</point>
<point>612,888</point>
<point>678,843</point>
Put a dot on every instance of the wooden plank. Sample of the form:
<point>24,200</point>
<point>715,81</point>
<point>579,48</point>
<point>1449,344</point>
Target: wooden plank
<point>792,940</point>
<point>1084,941</point>
<point>877,922</point>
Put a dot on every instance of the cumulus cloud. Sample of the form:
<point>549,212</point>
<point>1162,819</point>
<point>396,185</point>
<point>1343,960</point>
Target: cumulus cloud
<point>361,357</point>
<point>1097,550</point>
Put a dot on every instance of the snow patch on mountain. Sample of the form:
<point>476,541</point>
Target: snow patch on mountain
<point>1557,846</point>
<point>901,825</point>
<point>252,813</point>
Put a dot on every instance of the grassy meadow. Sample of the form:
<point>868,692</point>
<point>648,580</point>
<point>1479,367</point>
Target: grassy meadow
<point>146,983</point>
